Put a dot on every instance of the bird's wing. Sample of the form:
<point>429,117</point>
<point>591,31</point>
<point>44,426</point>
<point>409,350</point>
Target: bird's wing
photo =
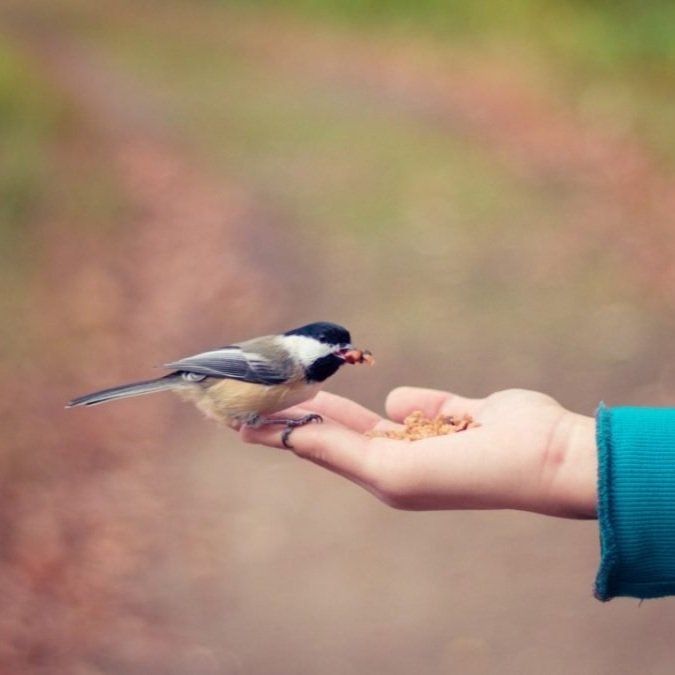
<point>235,363</point>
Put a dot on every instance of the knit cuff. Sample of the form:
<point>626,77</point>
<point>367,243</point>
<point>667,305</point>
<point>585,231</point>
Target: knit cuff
<point>636,502</point>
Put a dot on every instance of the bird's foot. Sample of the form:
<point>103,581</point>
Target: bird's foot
<point>291,424</point>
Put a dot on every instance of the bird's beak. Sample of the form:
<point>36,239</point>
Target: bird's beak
<point>343,350</point>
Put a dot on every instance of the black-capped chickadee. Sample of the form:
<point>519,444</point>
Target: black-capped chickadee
<point>243,383</point>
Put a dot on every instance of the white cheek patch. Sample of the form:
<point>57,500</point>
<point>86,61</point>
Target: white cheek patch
<point>307,350</point>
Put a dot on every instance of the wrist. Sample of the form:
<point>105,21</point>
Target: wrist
<point>576,482</point>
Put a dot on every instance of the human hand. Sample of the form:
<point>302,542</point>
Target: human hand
<point>528,453</point>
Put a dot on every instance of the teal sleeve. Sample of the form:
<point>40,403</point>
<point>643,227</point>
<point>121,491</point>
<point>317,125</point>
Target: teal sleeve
<point>636,502</point>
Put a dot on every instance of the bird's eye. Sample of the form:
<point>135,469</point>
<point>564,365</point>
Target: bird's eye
<point>323,337</point>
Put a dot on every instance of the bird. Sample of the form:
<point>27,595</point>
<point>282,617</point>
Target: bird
<point>246,382</point>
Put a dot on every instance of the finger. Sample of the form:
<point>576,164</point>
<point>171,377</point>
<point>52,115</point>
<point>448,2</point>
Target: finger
<point>329,444</point>
<point>404,400</point>
<point>344,411</point>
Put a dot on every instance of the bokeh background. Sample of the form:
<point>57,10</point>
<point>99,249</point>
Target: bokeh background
<point>482,192</point>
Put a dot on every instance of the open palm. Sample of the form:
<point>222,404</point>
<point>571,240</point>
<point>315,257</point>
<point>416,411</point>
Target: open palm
<point>528,453</point>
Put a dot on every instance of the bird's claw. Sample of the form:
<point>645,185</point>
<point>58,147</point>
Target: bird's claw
<point>293,424</point>
<point>290,424</point>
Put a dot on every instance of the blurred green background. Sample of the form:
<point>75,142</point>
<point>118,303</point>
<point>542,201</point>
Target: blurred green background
<point>482,193</point>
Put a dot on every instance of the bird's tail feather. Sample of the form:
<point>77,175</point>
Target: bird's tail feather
<point>125,391</point>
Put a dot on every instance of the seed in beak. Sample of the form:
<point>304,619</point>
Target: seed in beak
<point>358,356</point>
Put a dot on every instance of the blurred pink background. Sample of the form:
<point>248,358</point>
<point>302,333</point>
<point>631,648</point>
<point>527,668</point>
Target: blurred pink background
<point>485,199</point>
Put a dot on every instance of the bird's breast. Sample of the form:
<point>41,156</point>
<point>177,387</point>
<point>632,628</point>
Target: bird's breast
<point>233,401</point>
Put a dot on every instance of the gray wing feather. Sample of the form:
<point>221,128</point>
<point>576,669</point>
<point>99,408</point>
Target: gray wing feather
<point>235,363</point>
